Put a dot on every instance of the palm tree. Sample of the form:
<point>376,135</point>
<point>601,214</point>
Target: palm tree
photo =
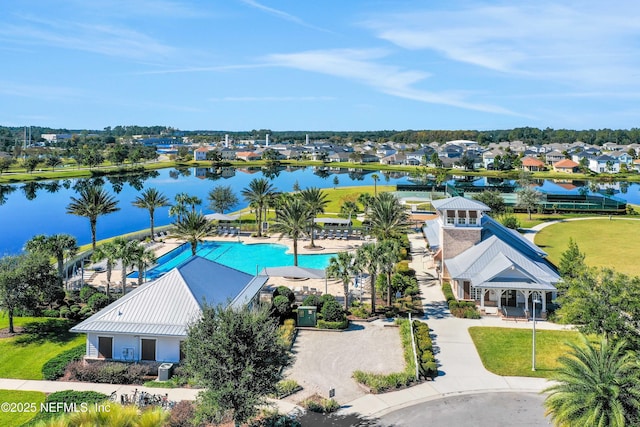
<point>342,268</point>
<point>93,202</point>
<point>192,227</point>
<point>316,200</point>
<point>369,257</point>
<point>389,255</point>
<point>388,217</point>
<point>375,177</point>
<point>596,385</point>
<point>292,220</point>
<point>222,198</point>
<point>142,258</point>
<point>107,251</point>
<point>151,199</point>
<point>258,194</point>
<point>183,201</point>
<point>126,251</point>
<point>365,200</point>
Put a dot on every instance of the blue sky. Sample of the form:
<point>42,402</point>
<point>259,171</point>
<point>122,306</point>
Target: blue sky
<point>320,65</point>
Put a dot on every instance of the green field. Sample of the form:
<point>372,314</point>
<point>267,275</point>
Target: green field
<point>606,243</point>
<point>507,351</point>
<point>22,356</point>
<point>25,403</point>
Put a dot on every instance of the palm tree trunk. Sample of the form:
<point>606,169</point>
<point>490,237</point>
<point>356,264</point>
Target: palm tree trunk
<point>194,247</point>
<point>93,233</point>
<point>259,219</point>
<point>345,288</point>
<point>60,266</point>
<point>153,239</point>
<point>140,273</point>
<point>389,289</point>
<point>295,252</point>
<point>124,279</point>
<point>372,277</point>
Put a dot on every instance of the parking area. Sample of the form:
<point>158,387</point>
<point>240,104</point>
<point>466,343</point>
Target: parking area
<point>326,360</point>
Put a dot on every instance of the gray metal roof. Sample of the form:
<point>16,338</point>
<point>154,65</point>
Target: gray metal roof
<point>431,230</point>
<point>491,227</point>
<point>331,221</point>
<point>493,260</point>
<point>167,305</point>
<point>294,271</point>
<point>460,203</point>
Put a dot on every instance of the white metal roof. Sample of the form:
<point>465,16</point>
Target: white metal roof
<point>167,305</point>
<point>459,203</point>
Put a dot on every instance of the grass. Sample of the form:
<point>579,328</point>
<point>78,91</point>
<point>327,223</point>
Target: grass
<point>507,351</point>
<point>29,399</point>
<point>605,243</point>
<point>22,356</point>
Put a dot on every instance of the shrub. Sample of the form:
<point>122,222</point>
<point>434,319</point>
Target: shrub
<point>54,368</point>
<point>312,300</point>
<point>332,311</point>
<point>324,299</point>
<point>72,396</point>
<point>282,305</point>
<point>361,311</point>
<point>51,313</point>
<point>288,331</point>
<point>424,349</point>
<point>182,414</point>
<point>284,291</point>
<point>65,312</point>
<point>319,404</point>
<point>109,372</point>
<point>98,301</point>
<point>275,420</point>
<point>323,324</point>
<point>448,293</point>
<point>86,291</point>
<point>286,387</point>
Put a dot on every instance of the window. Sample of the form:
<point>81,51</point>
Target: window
<point>105,347</point>
<point>148,349</point>
<point>462,221</point>
<point>473,221</point>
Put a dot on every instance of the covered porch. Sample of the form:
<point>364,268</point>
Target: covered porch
<point>516,299</point>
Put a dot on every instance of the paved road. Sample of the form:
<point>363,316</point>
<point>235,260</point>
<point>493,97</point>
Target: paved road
<point>477,410</point>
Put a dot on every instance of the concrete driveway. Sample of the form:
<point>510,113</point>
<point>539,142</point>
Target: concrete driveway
<point>325,360</point>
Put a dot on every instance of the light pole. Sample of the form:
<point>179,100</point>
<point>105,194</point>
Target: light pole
<point>533,350</point>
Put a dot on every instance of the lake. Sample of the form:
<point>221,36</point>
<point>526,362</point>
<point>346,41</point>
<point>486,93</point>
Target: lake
<point>40,207</point>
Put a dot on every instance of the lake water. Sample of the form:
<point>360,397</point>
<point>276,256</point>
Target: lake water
<point>40,208</point>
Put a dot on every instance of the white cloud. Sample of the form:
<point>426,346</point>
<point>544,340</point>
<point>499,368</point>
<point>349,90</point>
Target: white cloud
<point>101,38</point>
<point>281,14</point>
<point>361,66</point>
<point>586,42</point>
<point>42,92</point>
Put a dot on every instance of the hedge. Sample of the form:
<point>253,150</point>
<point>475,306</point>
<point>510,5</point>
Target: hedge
<point>424,348</point>
<point>462,309</point>
<point>324,324</point>
<point>54,368</point>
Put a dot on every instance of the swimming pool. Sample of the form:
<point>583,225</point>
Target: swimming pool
<point>247,258</point>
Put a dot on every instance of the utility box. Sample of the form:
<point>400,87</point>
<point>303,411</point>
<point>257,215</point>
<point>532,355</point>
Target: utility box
<point>164,371</point>
<point>307,315</point>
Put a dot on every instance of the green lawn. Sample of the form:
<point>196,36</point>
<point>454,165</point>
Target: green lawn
<point>23,356</point>
<point>605,243</point>
<point>20,399</point>
<point>507,351</point>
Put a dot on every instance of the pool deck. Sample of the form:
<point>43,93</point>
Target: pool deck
<point>323,246</point>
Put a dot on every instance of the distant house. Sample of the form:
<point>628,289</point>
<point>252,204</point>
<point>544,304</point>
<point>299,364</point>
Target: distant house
<point>200,153</point>
<point>151,322</point>
<point>553,156</point>
<point>532,164</point>
<point>248,155</point>
<point>566,166</point>
<point>604,164</point>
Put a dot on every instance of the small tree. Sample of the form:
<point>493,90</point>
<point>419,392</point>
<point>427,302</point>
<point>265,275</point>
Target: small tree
<point>572,263</point>
<point>236,353</point>
<point>222,198</point>
<point>492,199</point>
<point>528,199</point>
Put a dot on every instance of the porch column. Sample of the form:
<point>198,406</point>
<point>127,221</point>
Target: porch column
<point>483,291</point>
<point>544,301</point>
<point>526,299</point>
<point>499,292</point>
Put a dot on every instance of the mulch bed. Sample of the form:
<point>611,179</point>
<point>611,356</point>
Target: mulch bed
<point>4,333</point>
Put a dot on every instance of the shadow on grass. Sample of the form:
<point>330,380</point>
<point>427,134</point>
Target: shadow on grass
<point>314,419</point>
<point>50,330</point>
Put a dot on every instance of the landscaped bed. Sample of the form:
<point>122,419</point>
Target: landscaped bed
<point>508,351</point>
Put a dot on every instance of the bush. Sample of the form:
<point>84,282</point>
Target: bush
<point>312,300</point>
<point>332,311</point>
<point>54,368</point>
<point>324,299</point>
<point>275,420</point>
<point>182,414</point>
<point>448,293</point>
<point>51,313</point>
<point>286,387</point>
<point>323,324</point>
<point>319,404</point>
<point>282,305</point>
<point>284,291</point>
<point>72,396</point>
<point>361,311</point>
<point>109,372</point>
<point>65,312</point>
<point>86,292</point>
<point>98,301</point>
<point>510,221</point>
<point>288,332</point>
<point>424,349</point>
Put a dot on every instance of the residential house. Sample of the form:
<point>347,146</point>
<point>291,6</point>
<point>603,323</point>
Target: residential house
<point>486,262</point>
<point>553,156</point>
<point>566,166</point>
<point>532,164</point>
<point>604,164</point>
<point>200,153</point>
<point>151,322</point>
<point>339,156</point>
<point>623,158</point>
<point>488,157</point>
<point>248,155</point>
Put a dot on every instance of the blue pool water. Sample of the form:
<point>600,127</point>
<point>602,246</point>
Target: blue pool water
<point>247,258</point>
